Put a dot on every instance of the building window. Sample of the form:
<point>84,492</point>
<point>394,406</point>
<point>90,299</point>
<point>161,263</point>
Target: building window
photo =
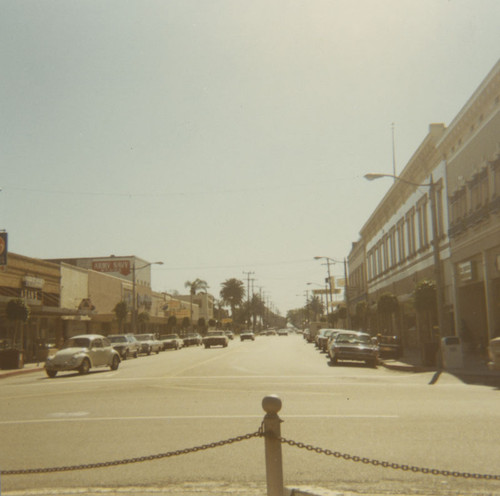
<point>458,203</point>
<point>400,229</point>
<point>495,167</point>
<point>423,234</point>
<point>478,187</point>
<point>410,232</point>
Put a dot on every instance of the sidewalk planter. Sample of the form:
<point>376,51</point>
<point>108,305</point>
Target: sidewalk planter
<point>11,359</point>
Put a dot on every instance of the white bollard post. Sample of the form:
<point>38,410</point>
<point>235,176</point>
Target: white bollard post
<point>272,433</point>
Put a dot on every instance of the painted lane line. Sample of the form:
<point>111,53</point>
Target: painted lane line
<point>191,417</point>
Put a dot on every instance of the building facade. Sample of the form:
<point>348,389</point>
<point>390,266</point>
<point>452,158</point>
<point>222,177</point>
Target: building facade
<point>459,166</point>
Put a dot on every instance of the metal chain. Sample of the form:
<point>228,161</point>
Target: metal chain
<point>126,461</point>
<point>395,466</point>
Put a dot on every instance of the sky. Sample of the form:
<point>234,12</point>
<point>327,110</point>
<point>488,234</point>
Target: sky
<point>222,137</point>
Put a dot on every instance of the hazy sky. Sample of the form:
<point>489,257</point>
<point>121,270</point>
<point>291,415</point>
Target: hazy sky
<point>222,136</point>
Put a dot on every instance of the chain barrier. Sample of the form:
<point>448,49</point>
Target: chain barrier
<point>385,464</point>
<point>139,459</point>
<point>259,433</point>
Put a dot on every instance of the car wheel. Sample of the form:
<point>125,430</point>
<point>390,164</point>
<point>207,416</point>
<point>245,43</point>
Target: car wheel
<point>207,346</point>
<point>149,351</point>
<point>115,362</point>
<point>136,354</point>
<point>84,367</point>
<point>124,357</point>
<point>333,360</point>
<point>51,373</point>
<point>372,363</point>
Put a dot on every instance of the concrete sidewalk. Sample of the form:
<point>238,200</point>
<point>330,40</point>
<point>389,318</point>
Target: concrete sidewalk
<point>28,367</point>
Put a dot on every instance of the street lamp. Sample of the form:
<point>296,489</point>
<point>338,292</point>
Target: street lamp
<point>134,298</point>
<point>435,243</point>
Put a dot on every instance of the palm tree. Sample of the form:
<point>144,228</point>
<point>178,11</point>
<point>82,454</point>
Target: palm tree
<point>232,293</point>
<point>195,287</point>
<point>121,310</point>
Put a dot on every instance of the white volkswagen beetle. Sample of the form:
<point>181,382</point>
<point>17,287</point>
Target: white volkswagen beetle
<point>82,353</point>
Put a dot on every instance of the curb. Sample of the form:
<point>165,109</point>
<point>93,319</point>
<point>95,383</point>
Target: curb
<point>10,373</point>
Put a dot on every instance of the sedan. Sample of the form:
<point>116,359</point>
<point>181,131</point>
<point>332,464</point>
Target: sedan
<point>125,345</point>
<point>82,353</point>
<point>193,339</point>
<point>354,346</point>
<point>171,342</point>
<point>149,343</point>
<point>247,335</point>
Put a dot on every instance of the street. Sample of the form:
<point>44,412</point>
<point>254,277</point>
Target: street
<point>180,399</point>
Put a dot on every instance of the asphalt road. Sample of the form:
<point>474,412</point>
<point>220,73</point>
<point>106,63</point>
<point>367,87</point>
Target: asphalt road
<point>180,399</point>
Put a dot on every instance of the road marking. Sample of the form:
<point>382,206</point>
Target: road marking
<point>190,417</point>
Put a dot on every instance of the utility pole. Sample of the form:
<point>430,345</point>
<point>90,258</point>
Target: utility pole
<point>248,274</point>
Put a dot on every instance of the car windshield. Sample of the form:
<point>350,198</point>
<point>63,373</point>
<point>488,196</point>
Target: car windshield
<point>216,333</point>
<point>77,343</point>
<point>143,337</point>
<point>170,336</point>
<point>117,339</point>
<point>353,338</point>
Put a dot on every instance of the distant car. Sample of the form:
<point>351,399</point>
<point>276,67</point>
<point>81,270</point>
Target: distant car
<point>354,346</point>
<point>149,343</point>
<point>82,353</point>
<point>494,354</point>
<point>215,338</point>
<point>125,345</point>
<point>230,334</point>
<point>193,339</point>
<point>247,335</point>
<point>283,332</point>
<point>171,342</point>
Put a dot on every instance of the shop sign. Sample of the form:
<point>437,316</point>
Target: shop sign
<point>33,282</point>
<point>118,266</point>
<point>466,271</point>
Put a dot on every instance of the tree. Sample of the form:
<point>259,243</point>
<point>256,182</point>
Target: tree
<point>121,311</point>
<point>19,313</point>
<point>387,306</point>
<point>361,314</point>
<point>426,306</point>
<point>315,306</point>
<point>143,319</point>
<point>171,323</point>
<point>195,287</point>
<point>202,326</point>
<point>186,322</point>
<point>232,294</point>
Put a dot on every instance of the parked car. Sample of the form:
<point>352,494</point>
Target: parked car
<point>149,343</point>
<point>354,346</point>
<point>283,332</point>
<point>494,354</point>
<point>389,346</point>
<point>193,339</point>
<point>125,345</point>
<point>215,338</point>
<point>171,342</point>
<point>230,334</point>
<point>82,353</point>
<point>247,335</point>
<point>322,338</point>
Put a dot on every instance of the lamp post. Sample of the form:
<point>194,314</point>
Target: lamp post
<point>134,298</point>
<point>435,244</point>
